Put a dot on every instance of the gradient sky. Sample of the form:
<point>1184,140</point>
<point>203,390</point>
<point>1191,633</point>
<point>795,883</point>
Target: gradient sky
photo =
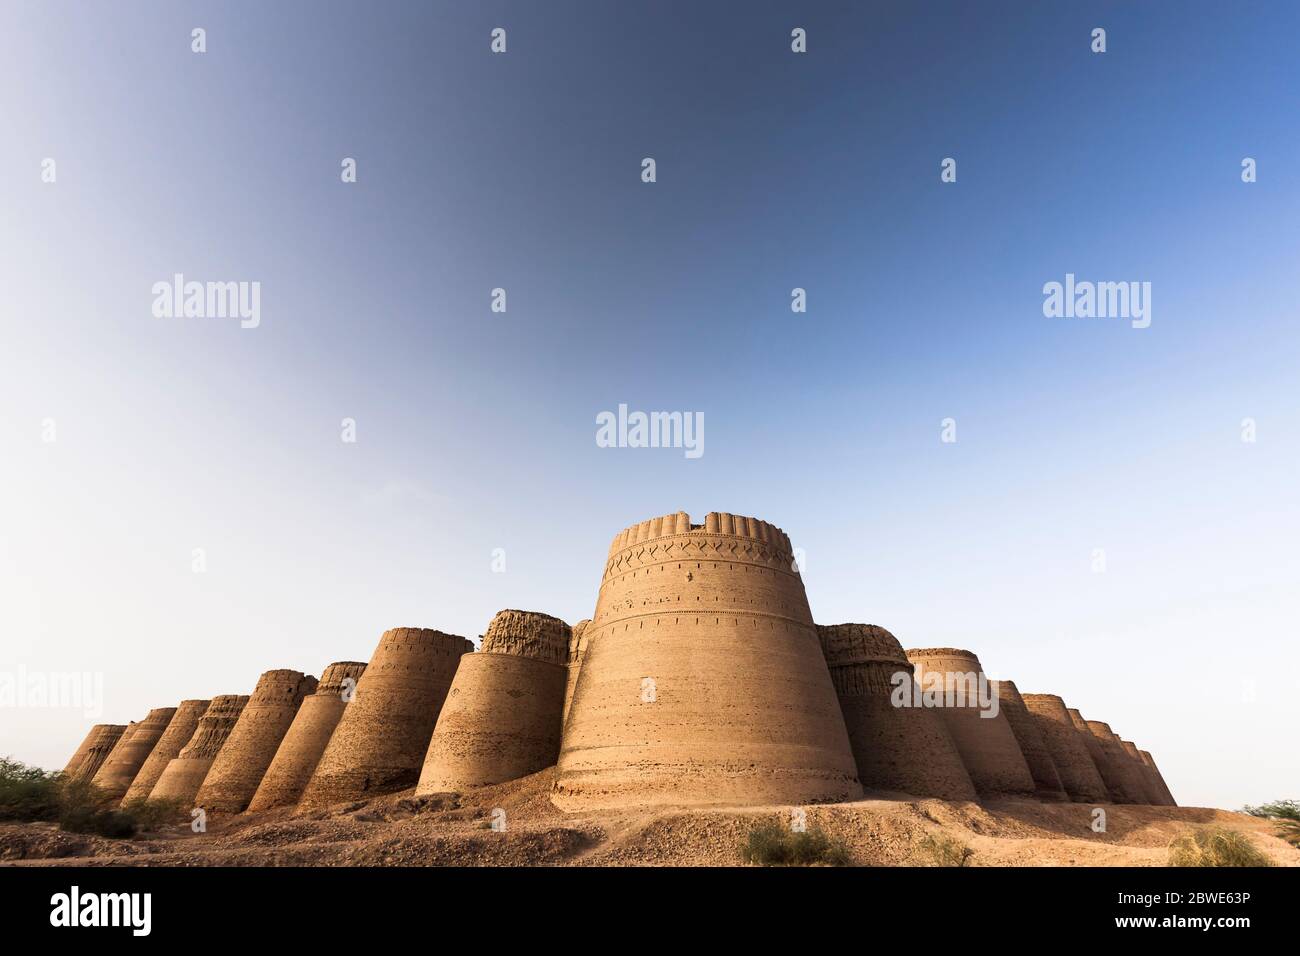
<point>476,430</point>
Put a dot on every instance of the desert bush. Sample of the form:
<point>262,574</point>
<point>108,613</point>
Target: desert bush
<point>82,809</point>
<point>771,844</point>
<point>1215,846</point>
<point>27,793</point>
<point>1285,813</point>
<point>940,850</point>
<point>30,795</point>
<point>152,814</point>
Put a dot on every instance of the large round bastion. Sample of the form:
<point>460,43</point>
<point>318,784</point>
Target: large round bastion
<point>300,751</point>
<point>703,681</point>
<point>380,743</point>
<point>1119,783</point>
<point>183,775</point>
<point>1160,778</point>
<point>502,716</point>
<point>1079,775</point>
<point>238,769</point>
<point>116,775</point>
<point>983,736</point>
<point>903,748</point>
<point>1135,785</point>
<point>178,733</point>
<point>1047,780</point>
<point>94,750</point>
<point>1154,791</point>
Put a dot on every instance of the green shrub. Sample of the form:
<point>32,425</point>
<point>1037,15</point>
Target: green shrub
<point>940,850</point>
<point>27,793</point>
<point>1286,814</point>
<point>771,844</point>
<point>1278,809</point>
<point>1215,846</point>
<point>152,814</point>
<point>31,795</point>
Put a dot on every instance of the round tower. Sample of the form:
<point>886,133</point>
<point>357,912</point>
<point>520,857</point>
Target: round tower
<point>380,742</point>
<point>502,716</point>
<point>982,734</point>
<point>254,739</point>
<point>178,733</point>
<point>118,750</point>
<point>94,750</point>
<point>1047,780</point>
<point>703,681</point>
<point>79,755</point>
<point>183,775</point>
<point>1118,784</point>
<point>1079,775</point>
<point>1164,787</point>
<point>300,751</point>
<point>577,647</point>
<point>895,748</point>
<point>1155,796</point>
<point>1131,783</point>
<point>119,770</point>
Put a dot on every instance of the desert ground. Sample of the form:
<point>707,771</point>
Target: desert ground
<point>456,830</point>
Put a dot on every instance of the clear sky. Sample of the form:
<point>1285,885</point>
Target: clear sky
<point>476,430</point>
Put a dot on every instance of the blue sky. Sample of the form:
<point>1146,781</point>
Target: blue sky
<point>475,430</point>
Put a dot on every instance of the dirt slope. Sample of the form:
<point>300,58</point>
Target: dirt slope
<point>400,830</point>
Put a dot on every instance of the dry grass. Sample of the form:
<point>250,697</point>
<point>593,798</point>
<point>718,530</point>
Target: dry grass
<point>773,845</point>
<point>1286,814</point>
<point>939,850</point>
<point>1215,846</point>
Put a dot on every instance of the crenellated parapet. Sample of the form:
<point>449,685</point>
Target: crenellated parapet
<point>845,644</point>
<point>528,634</point>
<point>214,727</point>
<point>334,676</point>
<point>701,679</point>
<point>722,536</point>
<point>503,715</point>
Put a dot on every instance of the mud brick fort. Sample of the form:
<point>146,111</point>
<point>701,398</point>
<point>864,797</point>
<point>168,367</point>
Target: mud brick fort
<point>700,679</point>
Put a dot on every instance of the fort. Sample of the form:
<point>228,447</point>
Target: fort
<point>178,733</point>
<point>240,764</point>
<point>906,749</point>
<point>300,751</point>
<point>94,750</point>
<point>703,681</point>
<point>1119,783</point>
<point>1047,780</point>
<point>381,741</point>
<point>477,740</point>
<point>699,680</point>
<point>119,770</point>
<point>184,774</point>
<point>1075,766</point>
<point>982,733</point>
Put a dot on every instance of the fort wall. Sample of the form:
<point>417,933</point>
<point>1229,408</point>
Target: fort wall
<point>703,680</point>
